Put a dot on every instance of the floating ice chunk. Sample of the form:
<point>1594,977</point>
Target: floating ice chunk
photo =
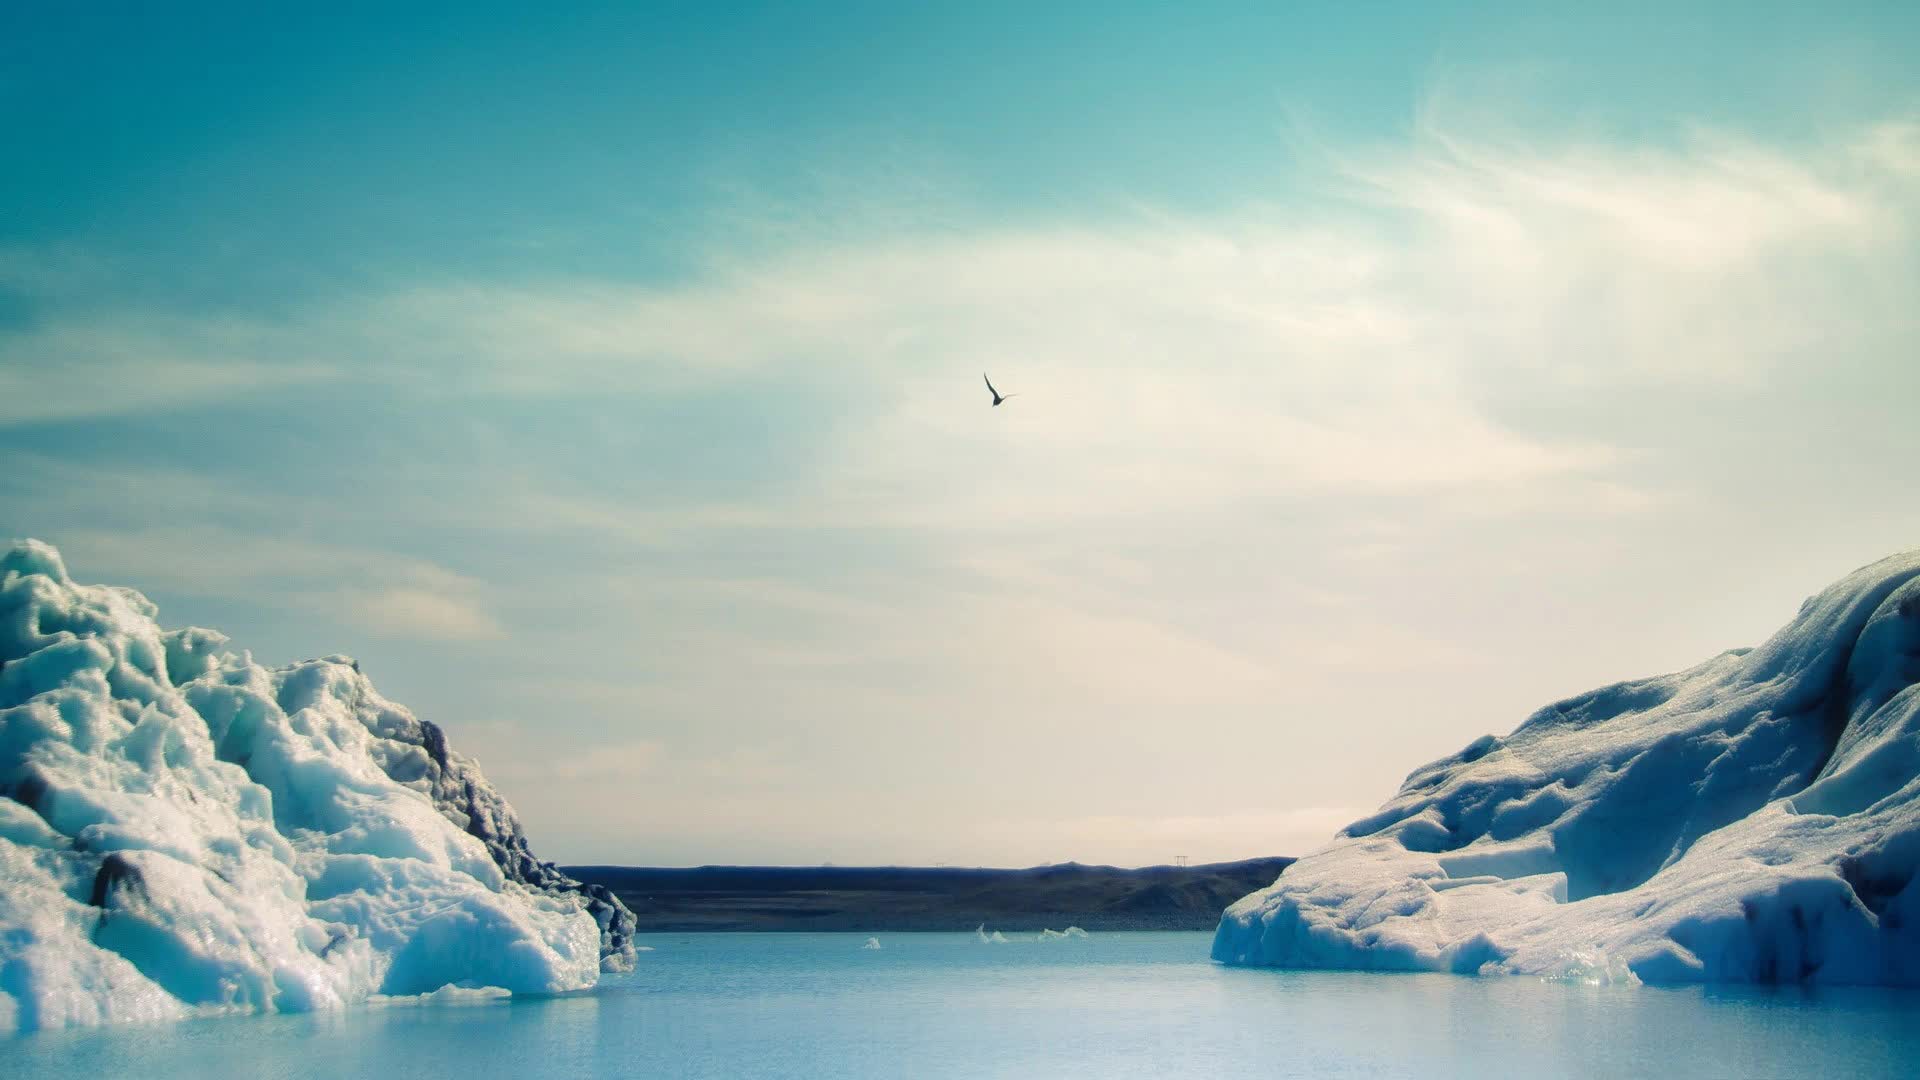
<point>445,996</point>
<point>1589,968</point>
<point>1754,818</point>
<point>871,943</point>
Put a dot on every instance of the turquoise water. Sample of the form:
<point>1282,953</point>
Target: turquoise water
<point>946,1005</point>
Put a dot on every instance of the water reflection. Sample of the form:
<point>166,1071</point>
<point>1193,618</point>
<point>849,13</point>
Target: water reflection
<point>1118,1005</point>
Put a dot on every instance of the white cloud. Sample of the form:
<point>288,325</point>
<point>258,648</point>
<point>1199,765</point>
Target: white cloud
<point>398,612</point>
<point>1260,483</point>
<point>1339,344</point>
<point>390,595</point>
<point>614,763</point>
<point>1893,147</point>
<point>108,364</point>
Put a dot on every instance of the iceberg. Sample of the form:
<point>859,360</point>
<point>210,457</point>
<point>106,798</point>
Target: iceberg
<point>1755,818</point>
<point>185,832</point>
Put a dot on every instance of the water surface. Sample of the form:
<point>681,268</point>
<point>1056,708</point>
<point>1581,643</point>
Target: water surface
<point>946,1005</point>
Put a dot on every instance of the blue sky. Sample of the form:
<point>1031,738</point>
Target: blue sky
<point>608,383</point>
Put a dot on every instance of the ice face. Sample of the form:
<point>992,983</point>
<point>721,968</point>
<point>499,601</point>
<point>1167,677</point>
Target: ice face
<point>1755,818</point>
<point>183,831</point>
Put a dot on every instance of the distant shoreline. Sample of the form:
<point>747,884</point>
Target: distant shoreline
<point>907,898</point>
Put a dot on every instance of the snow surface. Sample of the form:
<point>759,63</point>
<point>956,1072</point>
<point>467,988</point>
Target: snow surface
<point>1755,818</point>
<point>184,832</point>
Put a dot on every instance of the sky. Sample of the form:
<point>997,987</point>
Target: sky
<point>608,382</point>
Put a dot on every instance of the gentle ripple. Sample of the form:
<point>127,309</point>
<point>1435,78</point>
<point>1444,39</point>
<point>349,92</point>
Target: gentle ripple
<point>945,1005</point>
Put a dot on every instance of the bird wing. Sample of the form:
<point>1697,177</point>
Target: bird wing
<point>989,382</point>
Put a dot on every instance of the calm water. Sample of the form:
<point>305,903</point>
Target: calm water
<point>945,1005</point>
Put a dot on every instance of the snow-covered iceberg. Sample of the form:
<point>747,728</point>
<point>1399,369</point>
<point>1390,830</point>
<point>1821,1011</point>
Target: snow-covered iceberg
<point>183,831</point>
<point>1755,818</point>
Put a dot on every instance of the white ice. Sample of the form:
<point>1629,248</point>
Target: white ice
<point>1755,818</point>
<point>183,831</point>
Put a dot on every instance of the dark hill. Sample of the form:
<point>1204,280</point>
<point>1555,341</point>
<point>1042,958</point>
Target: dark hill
<point>895,898</point>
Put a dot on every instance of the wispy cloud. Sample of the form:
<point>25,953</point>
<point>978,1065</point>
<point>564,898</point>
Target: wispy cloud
<point>1273,466</point>
<point>1329,348</point>
<point>618,764</point>
<point>388,595</point>
<point>424,613</point>
<point>91,363</point>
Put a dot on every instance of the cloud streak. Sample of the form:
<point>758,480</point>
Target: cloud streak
<point>1341,344</point>
<point>1330,462</point>
<point>392,596</point>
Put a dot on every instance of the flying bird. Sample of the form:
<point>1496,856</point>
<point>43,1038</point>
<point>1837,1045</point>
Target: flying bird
<point>998,397</point>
